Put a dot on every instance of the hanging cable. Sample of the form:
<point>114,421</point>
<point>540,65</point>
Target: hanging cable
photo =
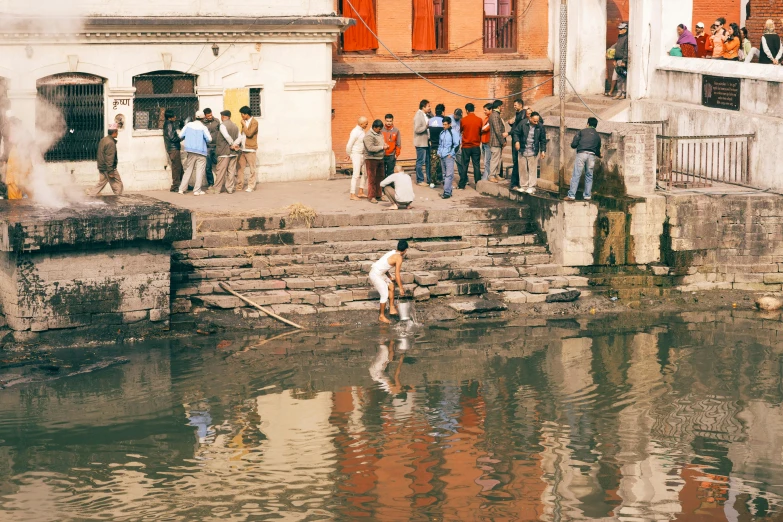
<point>514,95</point>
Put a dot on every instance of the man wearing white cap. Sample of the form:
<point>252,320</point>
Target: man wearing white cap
<point>621,59</point>
<point>195,137</point>
<point>703,42</point>
<point>107,164</point>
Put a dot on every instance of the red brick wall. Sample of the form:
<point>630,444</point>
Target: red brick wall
<point>760,12</point>
<point>708,11</point>
<point>374,97</point>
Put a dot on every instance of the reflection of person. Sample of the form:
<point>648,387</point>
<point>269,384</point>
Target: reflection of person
<point>378,367</point>
<point>379,277</point>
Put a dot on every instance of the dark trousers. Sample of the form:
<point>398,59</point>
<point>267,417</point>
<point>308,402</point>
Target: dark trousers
<point>515,170</point>
<point>175,157</point>
<point>374,170</point>
<point>211,162</point>
<point>389,162</point>
<point>472,154</point>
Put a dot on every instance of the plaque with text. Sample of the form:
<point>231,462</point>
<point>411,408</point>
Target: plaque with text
<point>721,93</point>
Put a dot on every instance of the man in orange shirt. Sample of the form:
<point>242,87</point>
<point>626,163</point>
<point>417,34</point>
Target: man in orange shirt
<point>470,128</point>
<point>393,143</point>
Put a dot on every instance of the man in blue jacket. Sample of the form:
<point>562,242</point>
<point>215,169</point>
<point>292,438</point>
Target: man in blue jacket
<point>195,137</point>
<point>447,151</point>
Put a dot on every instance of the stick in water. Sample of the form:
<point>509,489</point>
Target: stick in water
<point>268,312</point>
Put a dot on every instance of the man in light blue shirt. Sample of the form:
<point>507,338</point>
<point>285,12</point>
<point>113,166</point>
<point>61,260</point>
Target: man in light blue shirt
<point>447,151</point>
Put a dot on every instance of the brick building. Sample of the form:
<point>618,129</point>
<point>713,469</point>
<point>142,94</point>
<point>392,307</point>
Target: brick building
<point>482,50</point>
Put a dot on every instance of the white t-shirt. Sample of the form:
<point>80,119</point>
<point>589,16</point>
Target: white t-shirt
<point>403,186</point>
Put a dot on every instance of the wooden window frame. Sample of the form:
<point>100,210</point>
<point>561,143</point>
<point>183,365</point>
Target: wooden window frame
<point>444,49</point>
<point>513,28</point>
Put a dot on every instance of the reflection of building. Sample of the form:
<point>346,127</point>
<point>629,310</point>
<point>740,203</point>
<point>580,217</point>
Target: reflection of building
<point>128,62</point>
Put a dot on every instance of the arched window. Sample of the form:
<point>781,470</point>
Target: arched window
<point>72,111</point>
<point>161,90</point>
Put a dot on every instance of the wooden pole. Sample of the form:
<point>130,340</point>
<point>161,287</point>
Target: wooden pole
<point>268,312</point>
<point>563,41</point>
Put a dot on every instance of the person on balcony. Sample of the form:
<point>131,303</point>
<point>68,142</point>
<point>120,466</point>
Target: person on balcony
<point>732,44</point>
<point>770,51</point>
<point>747,51</point>
<point>718,37</point>
<point>621,60</point>
<point>687,42</point>
<point>703,42</point>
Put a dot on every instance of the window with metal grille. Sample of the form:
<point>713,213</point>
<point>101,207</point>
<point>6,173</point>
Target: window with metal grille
<point>161,90</point>
<point>500,26</point>
<point>255,101</point>
<point>75,102</point>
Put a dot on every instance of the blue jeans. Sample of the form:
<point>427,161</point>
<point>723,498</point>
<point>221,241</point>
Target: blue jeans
<point>447,164</point>
<point>487,160</point>
<point>422,163</point>
<point>583,159</point>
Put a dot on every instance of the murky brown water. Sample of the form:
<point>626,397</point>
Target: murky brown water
<point>678,420</point>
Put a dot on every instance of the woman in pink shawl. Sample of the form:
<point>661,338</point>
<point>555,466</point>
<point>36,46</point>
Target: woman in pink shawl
<point>686,41</point>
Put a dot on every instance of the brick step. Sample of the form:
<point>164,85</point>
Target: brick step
<point>633,292</point>
<point>206,223</point>
<point>358,233</point>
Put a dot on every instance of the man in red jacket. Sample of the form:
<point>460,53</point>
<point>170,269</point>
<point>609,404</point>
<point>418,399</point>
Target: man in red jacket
<point>471,146</point>
<point>393,144</point>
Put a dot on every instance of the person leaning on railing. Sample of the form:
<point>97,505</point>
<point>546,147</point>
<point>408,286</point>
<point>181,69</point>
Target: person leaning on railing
<point>770,50</point>
<point>732,44</point>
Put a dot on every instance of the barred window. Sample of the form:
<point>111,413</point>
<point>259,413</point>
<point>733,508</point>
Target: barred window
<point>255,101</point>
<point>161,90</point>
<point>72,107</point>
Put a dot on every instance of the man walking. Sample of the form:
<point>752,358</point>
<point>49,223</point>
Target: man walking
<point>196,138</point>
<point>485,148</point>
<point>588,146</point>
<point>355,151</point>
<point>471,146</point>
<point>172,141</point>
<point>399,189</point>
<point>519,116</point>
<point>379,277</point>
<point>107,164</point>
<point>373,153</point>
<point>496,140</point>
<point>530,143</point>
<point>421,143</point>
<point>211,123</point>
<point>393,143</point>
<point>248,157</point>
<point>226,149</point>
<point>447,151</point>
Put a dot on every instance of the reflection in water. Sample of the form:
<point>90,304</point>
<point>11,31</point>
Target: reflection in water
<point>565,421</point>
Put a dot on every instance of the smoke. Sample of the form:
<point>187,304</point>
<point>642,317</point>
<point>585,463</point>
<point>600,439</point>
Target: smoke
<point>24,149</point>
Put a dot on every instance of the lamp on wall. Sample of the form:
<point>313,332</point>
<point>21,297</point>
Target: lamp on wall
<point>215,49</point>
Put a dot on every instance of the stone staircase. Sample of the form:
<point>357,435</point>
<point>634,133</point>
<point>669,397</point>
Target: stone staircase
<point>631,281</point>
<point>296,268</point>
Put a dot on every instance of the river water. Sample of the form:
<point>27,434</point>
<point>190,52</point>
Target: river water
<point>621,418</point>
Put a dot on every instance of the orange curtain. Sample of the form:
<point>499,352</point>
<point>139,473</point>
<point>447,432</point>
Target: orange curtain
<point>423,25</point>
<point>358,37</point>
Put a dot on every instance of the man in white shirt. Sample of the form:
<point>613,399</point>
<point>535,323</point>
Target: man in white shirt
<point>399,189</point>
<point>355,152</point>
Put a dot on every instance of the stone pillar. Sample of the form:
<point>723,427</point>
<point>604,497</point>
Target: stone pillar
<point>586,43</point>
<point>652,33</point>
<point>120,109</point>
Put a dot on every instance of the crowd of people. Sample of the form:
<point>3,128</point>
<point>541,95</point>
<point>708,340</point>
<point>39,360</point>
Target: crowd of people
<point>728,42</point>
<point>445,145</point>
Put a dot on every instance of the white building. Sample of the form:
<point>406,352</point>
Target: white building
<point>104,61</point>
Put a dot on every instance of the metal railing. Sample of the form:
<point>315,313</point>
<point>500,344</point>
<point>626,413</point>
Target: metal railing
<point>500,33</point>
<point>661,124</point>
<point>699,161</point>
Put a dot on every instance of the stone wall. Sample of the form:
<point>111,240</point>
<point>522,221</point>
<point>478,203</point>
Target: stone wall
<point>42,291</point>
<point>726,241</point>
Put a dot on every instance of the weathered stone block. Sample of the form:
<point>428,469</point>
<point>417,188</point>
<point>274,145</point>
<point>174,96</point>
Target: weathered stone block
<point>756,286</point>
<point>748,278</point>
<point>270,297</point>
<point>536,286</point>
<point>547,270</point>
<point>577,281</point>
<point>364,294</point>
<point>557,282</point>
<point>775,277</point>
<point>515,297</point>
<point>293,309</point>
<point>304,297</point>
<point>134,317</point>
<point>299,283</point>
<point>225,302</point>
<point>425,279</point>
<point>443,288</point>
<point>331,300</point>
<point>421,293</point>
<point>535,298</point>
<point>158,314</point>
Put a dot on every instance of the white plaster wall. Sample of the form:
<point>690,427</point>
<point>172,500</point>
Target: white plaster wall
<point>586,58</point>
<point>295,75</point>
<point>173,7</point>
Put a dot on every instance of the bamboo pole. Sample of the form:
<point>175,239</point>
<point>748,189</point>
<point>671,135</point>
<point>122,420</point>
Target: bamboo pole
<point>268,312</point>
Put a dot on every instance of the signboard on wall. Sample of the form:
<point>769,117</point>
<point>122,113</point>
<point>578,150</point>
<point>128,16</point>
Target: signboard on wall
<point>719,92</point>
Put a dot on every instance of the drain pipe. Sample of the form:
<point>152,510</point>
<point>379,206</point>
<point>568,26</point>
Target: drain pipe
<point>563,51</point>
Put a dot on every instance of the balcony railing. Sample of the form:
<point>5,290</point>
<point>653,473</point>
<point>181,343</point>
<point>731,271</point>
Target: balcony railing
<point>441,41</point>
<point>500,34</point>
<point>699,161</point>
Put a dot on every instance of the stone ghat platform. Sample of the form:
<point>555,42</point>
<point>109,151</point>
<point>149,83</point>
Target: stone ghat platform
<point>99,262</point>
<point>468,245</point>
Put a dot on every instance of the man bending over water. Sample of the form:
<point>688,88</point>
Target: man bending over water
<point>379,277</point>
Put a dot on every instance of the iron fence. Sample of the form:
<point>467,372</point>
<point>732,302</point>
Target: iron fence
<point>500,33</point>
<point>699,161</point>
<point>661,124</point>
<point>78,104</point>
<point>161,90</point>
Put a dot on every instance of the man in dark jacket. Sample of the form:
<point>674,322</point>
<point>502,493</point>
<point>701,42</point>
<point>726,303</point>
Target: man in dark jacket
<point>519,116</point>
<point>171,141</point>
<point>213,125</point>
<point>588,147</point>
<point>621,60</point>
<point>530,144</point>
<point>107,164</point>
